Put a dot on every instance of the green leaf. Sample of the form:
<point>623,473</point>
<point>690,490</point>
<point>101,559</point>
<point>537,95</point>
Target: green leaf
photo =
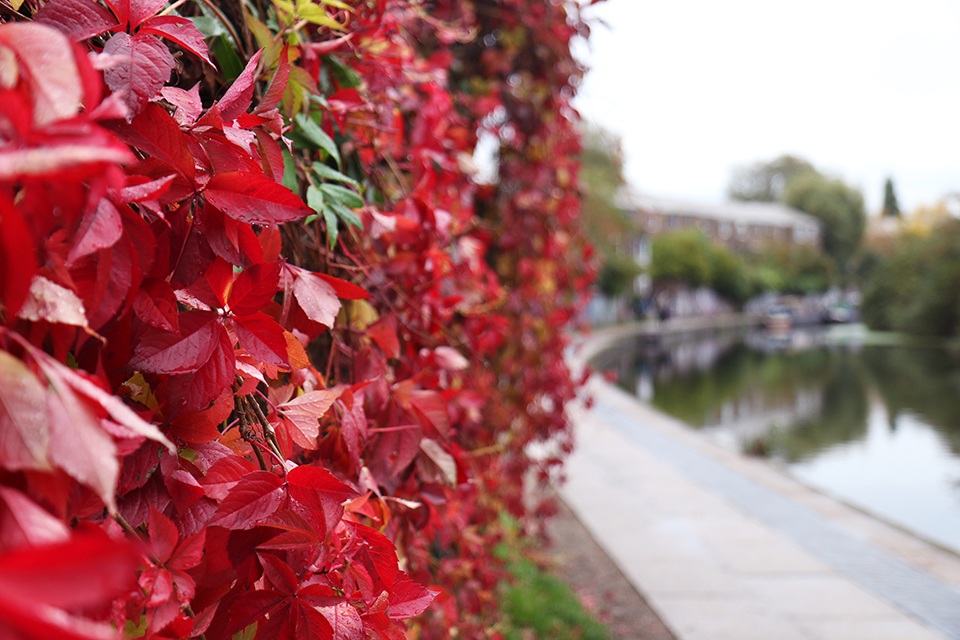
<point>330,173</point>
<point>317,202</point>
<point>290,180</point>
<point>230,63</point>
<point>345,214</point>
<point>209,26</point>
<point>342,194</point>
<point>315,199</point>
<point>346,76</point>
<point>333,226</point>
<point>312,131</point>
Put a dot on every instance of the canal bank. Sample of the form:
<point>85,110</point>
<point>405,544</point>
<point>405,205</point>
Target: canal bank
<point>724,546</point>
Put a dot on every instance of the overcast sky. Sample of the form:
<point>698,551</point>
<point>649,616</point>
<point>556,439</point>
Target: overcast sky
<point>862,89</point>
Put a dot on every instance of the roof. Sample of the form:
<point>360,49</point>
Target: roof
<point>772,213</point>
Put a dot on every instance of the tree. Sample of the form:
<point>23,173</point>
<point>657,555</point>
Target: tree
<point>916,289</point>
<point>767,181</point>
<point>606,224</point>
<point>839,208</point>
<point>683,256</point>
<point>890,206</point>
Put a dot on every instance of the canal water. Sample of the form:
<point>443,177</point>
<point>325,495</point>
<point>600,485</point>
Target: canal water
<point>873,422</point>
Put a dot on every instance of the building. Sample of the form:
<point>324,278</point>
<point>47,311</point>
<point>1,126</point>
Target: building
<point>736,225</point>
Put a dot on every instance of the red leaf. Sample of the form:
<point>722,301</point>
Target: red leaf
<point>353,428</point>
<point>77,19</point>
<point>189,552</point>
<point>66,156</point>
<point>317,490</point>
<point>297,532</point>
<point>101,228</point>
<point>162,352</point>
<point>188,103</point>
<point>79,445</point>
<point>310,624</point>
<point>304,412</point>
<point>211,382</point>
<point>139,189</point>
<point>81,383</point>
<point>47,56</point>
<point>81,572</point>
<point>24,523</point>
<point>233,241</point>
<point>181,31</point>
<point>158,583</point>
<point>254,199</point>
<point>279,573</point>
<point>386,338</point>
<point>236,100</point>
<point>253,606</point>
<point>316,297</point>
<point>263,338</point>
<point>382,554</point>
<point>408,599</point>
<point>183,488</point>
<point>158,135</point>
<point>163,535</point>
<point>104,280</point>
<point>50,302</point>
<point>156,304</point>
<point>224,474</point>
<point>193,425</point>
<point>344,289</point>
<point>253,499</point>
<point>346,622</point>
<point>431,411</point>
<point>18,260</point>
<point>141,10</point>
<point>278,84</point>
<point>254,288</point>
<point>142,65</point>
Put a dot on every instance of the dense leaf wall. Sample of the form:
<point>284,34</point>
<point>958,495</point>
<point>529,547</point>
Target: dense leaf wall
<point>272,359</point>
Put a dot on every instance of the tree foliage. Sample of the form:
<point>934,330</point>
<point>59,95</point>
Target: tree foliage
<point>838,206</point>
<point>767,181</point>
<point>681,256</point>
<point>607,225</point>
<point>916,288</point>
<point>890,206</point>
<point>690,258</point>
<point>270,359</point>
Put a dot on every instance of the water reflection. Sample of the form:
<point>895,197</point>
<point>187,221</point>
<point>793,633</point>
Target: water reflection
<point>876,425</point>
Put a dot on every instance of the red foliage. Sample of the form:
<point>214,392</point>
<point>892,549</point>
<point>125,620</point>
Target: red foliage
<point>272,367</point>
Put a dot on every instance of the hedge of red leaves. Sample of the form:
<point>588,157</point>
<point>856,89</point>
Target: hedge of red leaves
<point>271,358</point>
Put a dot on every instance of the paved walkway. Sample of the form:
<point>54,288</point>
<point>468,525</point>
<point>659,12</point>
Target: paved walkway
<point>726,547</point>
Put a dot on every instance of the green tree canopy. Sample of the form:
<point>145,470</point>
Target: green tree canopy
<point>767,181</point>
<point>682,256</point>
<point>890,206</point>
<point>601,174</point>
<point>838,206</point>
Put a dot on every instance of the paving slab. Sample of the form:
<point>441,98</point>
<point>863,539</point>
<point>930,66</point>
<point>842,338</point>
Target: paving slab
<point>727,547</point>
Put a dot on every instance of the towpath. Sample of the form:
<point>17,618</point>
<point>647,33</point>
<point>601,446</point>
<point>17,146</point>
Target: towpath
<point>726,547</point>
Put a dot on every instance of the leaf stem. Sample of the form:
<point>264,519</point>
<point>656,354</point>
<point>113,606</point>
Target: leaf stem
<point>126,526</point>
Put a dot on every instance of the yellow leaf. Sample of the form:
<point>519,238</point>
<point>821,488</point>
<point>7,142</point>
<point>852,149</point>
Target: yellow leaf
<point>295,352</point>
<point>337,4</point>
<point>140,391</point>
<point>317,15</point>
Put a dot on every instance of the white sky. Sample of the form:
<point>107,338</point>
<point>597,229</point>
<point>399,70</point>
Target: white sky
<point>862,89</point>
